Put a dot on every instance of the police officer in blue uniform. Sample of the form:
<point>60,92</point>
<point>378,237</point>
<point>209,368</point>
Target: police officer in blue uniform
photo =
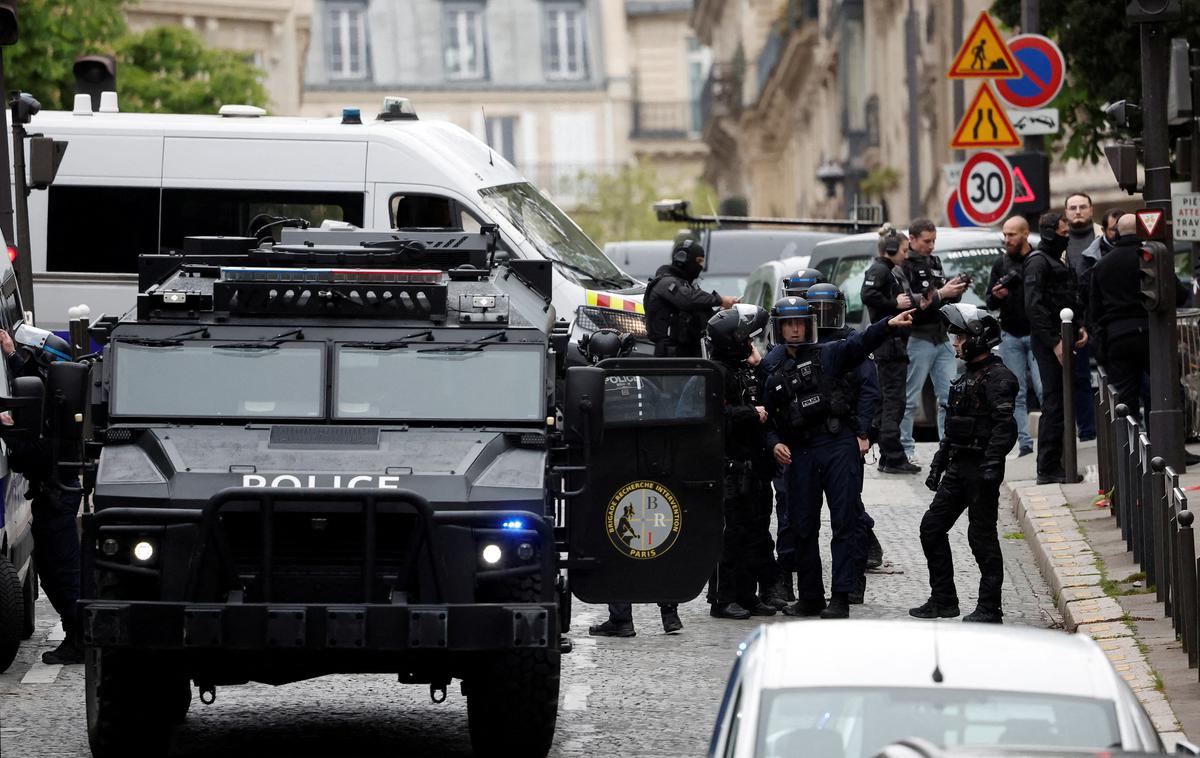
<point>969,465</point>
<point>810,433</point>
<point>747,551</point>
<point>28,352</point>
<point>628,400</point>
<point>862,385</point>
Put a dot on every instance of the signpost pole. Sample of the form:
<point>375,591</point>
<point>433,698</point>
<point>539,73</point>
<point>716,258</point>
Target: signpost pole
<point>1031,23</point>
<point>1166,416</point>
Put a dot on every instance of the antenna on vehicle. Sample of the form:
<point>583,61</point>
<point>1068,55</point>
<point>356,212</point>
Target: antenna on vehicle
<point>487,137</point>
<point>937,657</point>
<point>713,208</point>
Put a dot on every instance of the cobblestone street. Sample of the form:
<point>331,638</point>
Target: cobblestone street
<point>651,695</point>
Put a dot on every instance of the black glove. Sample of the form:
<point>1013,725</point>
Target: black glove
<point>991,473</point>
<point>934,479</point>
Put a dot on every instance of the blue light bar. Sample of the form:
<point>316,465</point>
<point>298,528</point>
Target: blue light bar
<point>514,523</point>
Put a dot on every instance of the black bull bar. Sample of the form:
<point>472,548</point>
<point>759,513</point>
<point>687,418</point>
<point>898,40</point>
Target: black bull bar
<point>191,623</point>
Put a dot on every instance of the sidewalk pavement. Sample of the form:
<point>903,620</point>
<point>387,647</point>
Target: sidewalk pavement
<point>1099,590</point>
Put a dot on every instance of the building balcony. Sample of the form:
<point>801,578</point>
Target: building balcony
<point>665,121</point>
<point>722,93</point>
<point>795,15</point>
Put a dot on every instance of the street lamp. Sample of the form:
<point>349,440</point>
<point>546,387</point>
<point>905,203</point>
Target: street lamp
<point>831,174</point>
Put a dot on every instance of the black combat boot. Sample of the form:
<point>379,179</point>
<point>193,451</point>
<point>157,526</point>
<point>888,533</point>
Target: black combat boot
<point>728,611</point>
<point>612,628</point>
<point>68,652</point>
<point>774,595</point>
<point>874,552</point>
<point>930,609</point>
<point>983,615</point>
<point>805,608</point>
<point>759,608</point>
<point>671,622</point>
<point>838,608</point>
<point>860,591</point>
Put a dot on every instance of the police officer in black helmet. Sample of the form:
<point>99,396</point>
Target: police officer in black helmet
<point>809,432</point>
<point>969,465</point>
<point>747,553</point>
<point>862,388</point>
<point>623,398</point>
<point>28,352</point>
<point>676,309</point>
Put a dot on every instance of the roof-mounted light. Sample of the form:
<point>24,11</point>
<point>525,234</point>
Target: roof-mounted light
<point>318,275</point>
<point>241,111</point>
<point>397,109</point>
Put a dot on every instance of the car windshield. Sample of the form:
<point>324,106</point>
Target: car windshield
<point>554,235</point>
<point>453,382</point>
<point>205,379</point>
<point>857,722</point>
<point>976,263</point>
<point>723,284</point>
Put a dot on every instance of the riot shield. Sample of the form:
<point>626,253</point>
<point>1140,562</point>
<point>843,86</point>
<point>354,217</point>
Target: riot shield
<point>644,521</point>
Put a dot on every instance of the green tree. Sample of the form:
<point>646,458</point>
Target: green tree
<point>168,69</point>
<point>619,206</point>
<point>1103,63</point>
<point>164,69</point>
<point>52,33</point>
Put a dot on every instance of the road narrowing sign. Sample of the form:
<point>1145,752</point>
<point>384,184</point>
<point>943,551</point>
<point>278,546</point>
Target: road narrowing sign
<point>984,55</point>
<point>985,189</point>
<point>985,124</point>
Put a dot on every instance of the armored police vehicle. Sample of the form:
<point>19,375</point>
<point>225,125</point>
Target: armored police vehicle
<point>363,452</point>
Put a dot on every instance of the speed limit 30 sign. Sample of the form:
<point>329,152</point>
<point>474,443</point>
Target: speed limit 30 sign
<point>985,187</point>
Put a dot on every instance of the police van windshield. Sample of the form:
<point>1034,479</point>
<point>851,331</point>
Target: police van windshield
<point>206,380</point>
<point>492,382</point>
<point>554,235</point>
<point>976,263</point>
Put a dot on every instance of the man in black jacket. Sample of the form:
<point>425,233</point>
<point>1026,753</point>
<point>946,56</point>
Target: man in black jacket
<point>676,309</point>
<point>1006,294</point>
<point>1117,315</point>
<point>886,293</point>
<point>1050,286</point>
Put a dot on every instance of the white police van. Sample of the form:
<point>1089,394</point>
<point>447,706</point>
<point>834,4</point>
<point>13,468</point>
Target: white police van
<point>18,580</point>
<point>133,183</point>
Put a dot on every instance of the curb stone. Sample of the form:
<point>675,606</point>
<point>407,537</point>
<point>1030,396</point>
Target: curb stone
<point>1069,566</point>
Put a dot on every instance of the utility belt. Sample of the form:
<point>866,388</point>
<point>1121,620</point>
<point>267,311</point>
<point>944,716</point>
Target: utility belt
<point>744,477</point>
<point>683,329</point>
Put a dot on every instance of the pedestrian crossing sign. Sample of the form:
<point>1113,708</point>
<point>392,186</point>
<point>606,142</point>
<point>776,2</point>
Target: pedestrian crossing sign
<point>984,54</point>
<point>985,124</point>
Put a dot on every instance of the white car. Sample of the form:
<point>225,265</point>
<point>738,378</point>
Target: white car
<point>848,689</point>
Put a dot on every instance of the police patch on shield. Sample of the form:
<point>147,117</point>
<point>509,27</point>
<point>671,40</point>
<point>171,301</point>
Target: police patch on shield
<point>643,520</point>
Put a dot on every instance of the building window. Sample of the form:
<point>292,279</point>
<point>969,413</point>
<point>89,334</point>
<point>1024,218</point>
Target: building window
<point>566,49</point>
<point>347,41</point>
<point>502,136</point>
<point>465,52</point>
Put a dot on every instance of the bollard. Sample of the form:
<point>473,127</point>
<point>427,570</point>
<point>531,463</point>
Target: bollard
<point>1186,587</point>
<point>1121,473</point>
<point>1162,532</point>
<point>1118,499</point>
<point>1069,452</point>
<point>1103,428</point>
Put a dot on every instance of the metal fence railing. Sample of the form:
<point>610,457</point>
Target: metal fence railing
<point>1188,324</point>
<point>1151,508</point>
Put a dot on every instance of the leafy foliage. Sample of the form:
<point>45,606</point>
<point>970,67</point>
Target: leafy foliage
<point>618,206</point>
<point>1103,53</point>
<point>164,69</point>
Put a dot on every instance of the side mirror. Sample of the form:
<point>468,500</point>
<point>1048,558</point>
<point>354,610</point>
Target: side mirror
<point>583,409</point>
<point>26,406</point>
<point>1183,747</point>
<point>67,386</point>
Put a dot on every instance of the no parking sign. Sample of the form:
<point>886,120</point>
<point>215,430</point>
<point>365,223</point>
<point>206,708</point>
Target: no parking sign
<point>1043,69</point>
<point>985,189</point>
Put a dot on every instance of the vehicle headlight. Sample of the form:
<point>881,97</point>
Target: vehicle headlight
<point>492,554</point>
<point>110,547</point>
<point>144,551</point>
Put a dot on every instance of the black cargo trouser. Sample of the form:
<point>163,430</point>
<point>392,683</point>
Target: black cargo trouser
<point>56,548</point>
<point>785,539</point>
<point>763,566</point>
<point>1127,363</point>
<point>622,613</point>
<point>735,576</point>
<point>893,376</point>
<point>1050,426</point>
<point>962,489</point>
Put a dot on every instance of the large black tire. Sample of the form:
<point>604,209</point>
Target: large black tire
<point>130,708</point>
<point>512,698</point>
<point>512,704</point>
<point>12,613</point>
<point>29,597</point>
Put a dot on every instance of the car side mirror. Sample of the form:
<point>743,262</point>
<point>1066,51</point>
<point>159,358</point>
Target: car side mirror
<point>26,408</point>
<point>1183,747</point>
<point>67,387</point>
<point>583,410</point>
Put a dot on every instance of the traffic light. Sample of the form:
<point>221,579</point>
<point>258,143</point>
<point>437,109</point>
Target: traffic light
<point>95,74</point>
<point>45,155</point>
<point>1151,11</point>
<point>8,22</point>
<point>1152,284</point>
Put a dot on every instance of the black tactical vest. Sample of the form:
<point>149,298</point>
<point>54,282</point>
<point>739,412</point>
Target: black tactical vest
<point>968,415</point>
<point>806,400</point>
